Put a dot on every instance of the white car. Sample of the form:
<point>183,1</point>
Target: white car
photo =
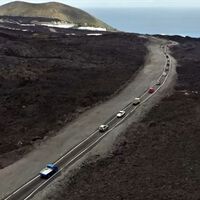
<point>164,74</point>
<point>103,128</point>
<point>158,82</point>
<point>121,114</point>
<point>136,101</point>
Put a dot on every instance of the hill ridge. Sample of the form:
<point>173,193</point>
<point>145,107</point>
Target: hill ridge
<point>53,10</point>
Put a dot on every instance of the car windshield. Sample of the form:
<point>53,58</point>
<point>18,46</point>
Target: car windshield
<point>46,171</point>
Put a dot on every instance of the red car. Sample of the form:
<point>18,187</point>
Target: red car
<point>151,90</point>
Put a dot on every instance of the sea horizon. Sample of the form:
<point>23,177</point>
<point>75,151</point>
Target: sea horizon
<point>165,21</point>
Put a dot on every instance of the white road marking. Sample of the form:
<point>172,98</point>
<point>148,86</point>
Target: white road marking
<point>75,147</point>
<point>29,182</point>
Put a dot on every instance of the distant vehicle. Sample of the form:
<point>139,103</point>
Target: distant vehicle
<point>48,171</point>
<point>167,56</point>
<point>167,69</point>
<point>136,101</point>
<point>158,82</point>
<point>103,128</point>
<point>151,90</point>
<point>164,74</point>
<point>121,114</point>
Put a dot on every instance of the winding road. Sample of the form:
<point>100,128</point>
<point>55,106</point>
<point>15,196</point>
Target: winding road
<point>64,147</point>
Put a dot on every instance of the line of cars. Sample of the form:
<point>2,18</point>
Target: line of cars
<point>164,74</point>
<point>120,114</point>
<point>136,101</point>
<point>52,169</point>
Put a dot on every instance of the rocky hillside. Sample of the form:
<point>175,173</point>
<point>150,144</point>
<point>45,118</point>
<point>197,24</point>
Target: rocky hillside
<point>53,11</point>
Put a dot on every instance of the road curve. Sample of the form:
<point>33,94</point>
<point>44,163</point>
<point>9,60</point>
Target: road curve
<point>36,184</point>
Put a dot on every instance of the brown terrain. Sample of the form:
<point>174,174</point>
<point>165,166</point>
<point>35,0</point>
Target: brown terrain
<point>48,79</point>
<point>157,158</point>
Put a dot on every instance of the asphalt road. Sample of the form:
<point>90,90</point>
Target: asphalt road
<point>52,149</point>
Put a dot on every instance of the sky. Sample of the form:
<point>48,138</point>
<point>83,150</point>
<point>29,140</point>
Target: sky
<point>120,3</point>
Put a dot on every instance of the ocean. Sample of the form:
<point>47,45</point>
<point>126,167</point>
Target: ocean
<point>169,21</point>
